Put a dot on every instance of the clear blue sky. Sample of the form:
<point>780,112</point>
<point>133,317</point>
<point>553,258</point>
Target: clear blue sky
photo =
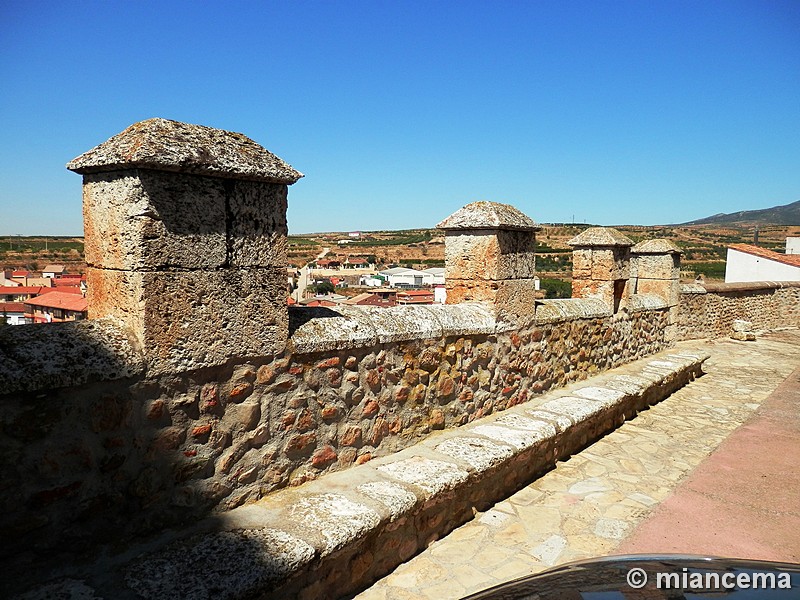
<point>400,112</point>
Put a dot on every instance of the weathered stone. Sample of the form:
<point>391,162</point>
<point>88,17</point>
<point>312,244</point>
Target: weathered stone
<point>437,419</point>
<point>240,392</point>
<point>433,476</point>
<point>257,230</point>
<point>490,255</point>
<point>263,557</point>
<point>488,215</point>
<point>337,518</point>
<point>478,453</point>
<point>392,495</point>
<point>265,374</point>
<point>351,436</point>
<point>301,443</point>
<point>187,320</point>
<point>164,145</point>
<point>200,431</point>
<point>330,412</point>
<point>145,221</point>
<point>445,387</point>
<point>380,429</point>
<point>370,408</point>
<point>323,457</point>
<point>244,416</point>
<point>328,363</point>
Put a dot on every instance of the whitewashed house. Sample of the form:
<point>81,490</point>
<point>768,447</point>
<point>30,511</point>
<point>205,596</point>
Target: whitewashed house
<point>752,263</point>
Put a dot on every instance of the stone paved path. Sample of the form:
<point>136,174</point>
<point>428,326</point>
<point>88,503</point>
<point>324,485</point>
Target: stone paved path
<point>591,504</point>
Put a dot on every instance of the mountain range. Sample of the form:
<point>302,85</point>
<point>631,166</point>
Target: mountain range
<point>786,214</point>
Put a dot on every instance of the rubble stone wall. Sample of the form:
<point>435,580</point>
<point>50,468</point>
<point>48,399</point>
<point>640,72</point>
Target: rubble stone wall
<point>92,460</point>
<point>709,310</point>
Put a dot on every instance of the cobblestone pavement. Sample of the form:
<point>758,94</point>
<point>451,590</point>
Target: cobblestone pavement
<point>589,504</point>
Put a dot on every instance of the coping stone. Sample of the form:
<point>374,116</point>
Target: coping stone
<point>519,438</point>
<point>659,246</point>
<point>517,421</point>
<point>37,357</point>
<point>488,215</point>
<point>641,302</point>
<point>432,476</point>
<point>400,323</point>
<point>393,496</point>
<point>600,236</point>
<point>468,318</point>
<point>224,565</point>
<point>166,145</point>
<point>338,519</point>
<point>574,407</point>
<point>606,396</point>
<point>693,288</point>
<point>559,421</point>
<point>569,309</point>
<point>331,329</point>
<point>478,453</point>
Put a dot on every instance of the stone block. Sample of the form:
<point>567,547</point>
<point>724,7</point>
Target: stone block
<point>582,259</point>
<point>516,300</point>
<point>257,224</point>
<point>593,288</point>
<point>188,320</point>
<point>142,220</point>
<point>656,266</point>
<point>490,254</point>
<point>610,263</point>
<point>468,290</point>
<point>666,289</point>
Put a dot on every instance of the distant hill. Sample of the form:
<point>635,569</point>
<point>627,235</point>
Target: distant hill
<point>787,214</point>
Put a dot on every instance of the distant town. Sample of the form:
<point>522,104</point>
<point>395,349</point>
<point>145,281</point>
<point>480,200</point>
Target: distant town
<point>43,280</point>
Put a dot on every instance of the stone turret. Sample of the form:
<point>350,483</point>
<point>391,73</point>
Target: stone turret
<point>601,266</point>
<point>490,256</point>
<point>185,239</point>
<point>656,270</point>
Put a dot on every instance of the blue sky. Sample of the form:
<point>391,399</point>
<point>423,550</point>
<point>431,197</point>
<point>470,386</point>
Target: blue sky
<point>399,113</point>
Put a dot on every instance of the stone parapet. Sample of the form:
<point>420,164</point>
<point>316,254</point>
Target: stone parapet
<point>709,310</point>
<point>353,384</point>
<point>336,535</point>
<point>66,355</point>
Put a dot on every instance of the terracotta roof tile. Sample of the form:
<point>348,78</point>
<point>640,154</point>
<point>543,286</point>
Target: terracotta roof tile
<point>61,300</point>
<point>787,259</point>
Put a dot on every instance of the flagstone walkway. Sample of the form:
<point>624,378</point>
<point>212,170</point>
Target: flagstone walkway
<point>594,503</point>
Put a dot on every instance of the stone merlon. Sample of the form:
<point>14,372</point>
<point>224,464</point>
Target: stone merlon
<point>166,145</point>
<point>600,236</point>
<point>489,215</point>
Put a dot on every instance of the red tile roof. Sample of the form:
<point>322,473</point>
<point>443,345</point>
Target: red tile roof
<point>72,282</point>
<point>33,290</point>
<point>787,259</point>
<point>9,307</point>
<point>63,300</point>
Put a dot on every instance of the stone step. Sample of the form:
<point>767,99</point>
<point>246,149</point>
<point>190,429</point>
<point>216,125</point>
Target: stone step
<point>334,536</point>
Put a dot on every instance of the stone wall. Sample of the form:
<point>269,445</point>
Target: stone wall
<point>709,310</point>
<point>99,458</point>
